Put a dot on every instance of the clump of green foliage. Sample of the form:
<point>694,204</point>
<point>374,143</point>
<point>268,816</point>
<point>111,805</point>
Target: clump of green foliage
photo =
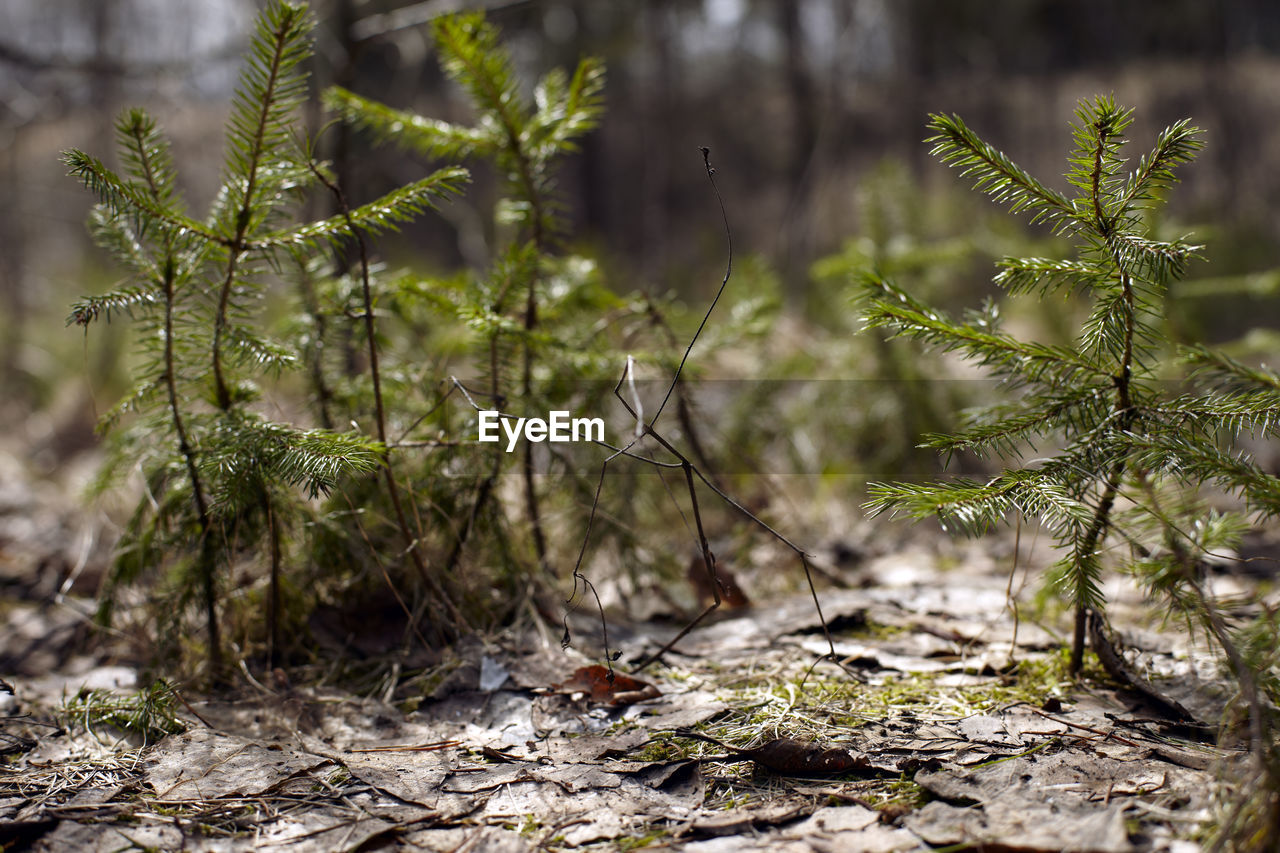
<point>221,481</point>
<point>1128,455</point>
<point>507,309</point>
<point>537,330</point>
<point>148,715</point>
<point>406,498</point>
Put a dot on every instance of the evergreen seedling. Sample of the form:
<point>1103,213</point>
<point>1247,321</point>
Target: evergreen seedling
<point>523,141</point>
<point>1130,452</point>
<point>220,478</point>
<point>540,330</point>
<point>1120,433</point>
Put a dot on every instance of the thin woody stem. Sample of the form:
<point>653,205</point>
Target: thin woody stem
<point>393,488</point>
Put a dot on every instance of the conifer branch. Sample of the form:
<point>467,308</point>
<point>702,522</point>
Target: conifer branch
<point>1003,427</point>
<point>143,395</point>
<point>147,154</point>
<point>124,300</point>
<point>1196,460</point>
<point>270,88</point>
<point>1154,261</point>
<point>377,217</point>
<point>119,238</point>
<point>975,507</point>
<point>1256,412</point>
<point>1154,175</point>
<point>429,136</point>
<point>1044,275</point>
<point>122,198</point>
<point>889,307</point>
<point>566,111</point>
<point>1219,365</point>
<point>996,175</point>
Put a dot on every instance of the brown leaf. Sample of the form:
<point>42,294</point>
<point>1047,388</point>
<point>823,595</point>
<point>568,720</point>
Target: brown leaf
<point>732,596</point>
<point>788,757</point>
<point>606,687</point>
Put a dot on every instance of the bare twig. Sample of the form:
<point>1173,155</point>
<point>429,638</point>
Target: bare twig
<point>583,585</point>
<point>644,429</point>
<point>728,271</point>
<point>1116,667</point>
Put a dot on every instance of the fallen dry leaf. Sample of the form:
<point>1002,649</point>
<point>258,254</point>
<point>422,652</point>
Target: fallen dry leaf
<point>732,595</point>
<point>603,686</point>
<point>789,757</point>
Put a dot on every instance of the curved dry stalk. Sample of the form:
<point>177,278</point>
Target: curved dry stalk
<point>644,429</point>
<point>648,429</point>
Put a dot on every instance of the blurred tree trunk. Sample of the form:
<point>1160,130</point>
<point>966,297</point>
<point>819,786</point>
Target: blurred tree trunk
<point>344,75</point>
<point>593,160</point>
<point>659,106</point>
<point>797,231</point>
<point>800,91</point>
<point>13,238</point>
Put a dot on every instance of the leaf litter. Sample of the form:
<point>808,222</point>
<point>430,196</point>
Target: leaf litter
<point>936,729</point>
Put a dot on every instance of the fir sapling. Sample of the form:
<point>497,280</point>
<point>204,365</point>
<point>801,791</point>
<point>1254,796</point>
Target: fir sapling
<point>221,479</point>
<point>1124,459</point>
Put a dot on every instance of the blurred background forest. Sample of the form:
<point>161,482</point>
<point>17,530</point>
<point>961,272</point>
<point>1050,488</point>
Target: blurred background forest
<point>815,113</point>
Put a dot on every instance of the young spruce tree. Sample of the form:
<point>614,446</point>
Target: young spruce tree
<point>222,481</point>
<point>1128,453</point>
<point>524,140</point>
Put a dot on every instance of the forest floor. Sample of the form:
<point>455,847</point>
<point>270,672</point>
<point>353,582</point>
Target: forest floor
<point>946,723</point>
